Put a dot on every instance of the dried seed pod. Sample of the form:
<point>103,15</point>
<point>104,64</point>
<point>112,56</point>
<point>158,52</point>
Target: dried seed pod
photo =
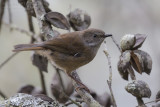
<point>127,42</point>
<point>156,105</point>
<point>138,88</point>
<point>40,62</point>
<point>145,61</point>
<point>23,2</point>
<point>79,20</point>
<point>26,89</point>
<point>123,64</point>
<point>57,89</point>
<point>158,95</point>
<point>30,89</point>
<point>140,38</point>
<point>104,99</point>
<point>57,19</point>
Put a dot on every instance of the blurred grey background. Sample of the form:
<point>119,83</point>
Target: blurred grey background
<point>118,17</point>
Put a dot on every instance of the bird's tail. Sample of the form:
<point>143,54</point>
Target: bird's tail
<point>27,47</point>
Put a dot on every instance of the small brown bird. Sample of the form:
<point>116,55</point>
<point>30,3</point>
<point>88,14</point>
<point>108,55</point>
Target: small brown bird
<point>69,51</point>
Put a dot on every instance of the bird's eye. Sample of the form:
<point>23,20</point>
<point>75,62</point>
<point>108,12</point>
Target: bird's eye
<point>94,35</point>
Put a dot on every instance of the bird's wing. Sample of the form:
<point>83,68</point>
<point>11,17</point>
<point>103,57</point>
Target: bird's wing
<point>69,43</point>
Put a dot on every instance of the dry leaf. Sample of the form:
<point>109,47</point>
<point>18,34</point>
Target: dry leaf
<point>140,38</point>
<point>40,62</point>
<point>145,61</point>
<point>58,20</point>
<point>26,89</point>
<point>136,61</point>
<point>23,2</point>
<point>158,95</point>
<point>30,89</point>
<point>57,90</point>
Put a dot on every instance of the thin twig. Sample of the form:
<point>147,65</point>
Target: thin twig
<point>9,12</point>
<point>2,94</point>
<point>31,28</point>
<point>30,23</point>
<point>2,7</point>
<point>8,59</point>
<point>116,43</point>
<point>69,103</point>
<point>152,101</point>
<point>110,76</point>
<point>60,77</point>
<point>72,101</point>
<point>28,33</point>
<point>43,82</point>
<point>14,27</point>
<point>133,77</point>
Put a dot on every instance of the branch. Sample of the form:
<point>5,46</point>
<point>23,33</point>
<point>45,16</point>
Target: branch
<point>63,89</point>
<point>29,33</point>
<point>2,7</point>
<point>91,102</point>
<point>116,43</point>
<point>110,76</point>
<point>2,94</point>
<point>8,59</point>
<point>48,33</point>
<point>45,28</point>
<point>43,82</point>
<point>77,100</point>
<point>152,101</point>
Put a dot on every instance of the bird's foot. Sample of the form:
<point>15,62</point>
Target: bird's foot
<point>82,86</point>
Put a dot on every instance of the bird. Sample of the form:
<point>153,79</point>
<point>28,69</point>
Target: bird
<point>69,51</point>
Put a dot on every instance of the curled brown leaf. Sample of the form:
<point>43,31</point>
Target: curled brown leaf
<point>140,38</point>
<point>57,19</point>
<point>40,62</point>
<point>145,61</point>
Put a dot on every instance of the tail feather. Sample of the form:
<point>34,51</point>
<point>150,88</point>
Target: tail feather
<point>27,47</point>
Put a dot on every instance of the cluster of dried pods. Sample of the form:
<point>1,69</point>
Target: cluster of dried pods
<point>132,59</point>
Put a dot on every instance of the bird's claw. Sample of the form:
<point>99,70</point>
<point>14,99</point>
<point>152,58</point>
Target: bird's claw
<point>82,87</point>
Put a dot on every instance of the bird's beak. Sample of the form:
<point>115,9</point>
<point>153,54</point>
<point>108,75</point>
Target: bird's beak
<point>107,35</point>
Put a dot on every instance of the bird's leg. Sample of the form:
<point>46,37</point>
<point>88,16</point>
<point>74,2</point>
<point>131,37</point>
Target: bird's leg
<point>81,85</point>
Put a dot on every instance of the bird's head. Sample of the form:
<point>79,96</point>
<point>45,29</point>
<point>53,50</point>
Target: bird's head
<point>94,37</point>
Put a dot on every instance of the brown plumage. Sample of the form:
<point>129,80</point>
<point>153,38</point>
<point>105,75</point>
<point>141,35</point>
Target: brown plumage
<point>71,50</point>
